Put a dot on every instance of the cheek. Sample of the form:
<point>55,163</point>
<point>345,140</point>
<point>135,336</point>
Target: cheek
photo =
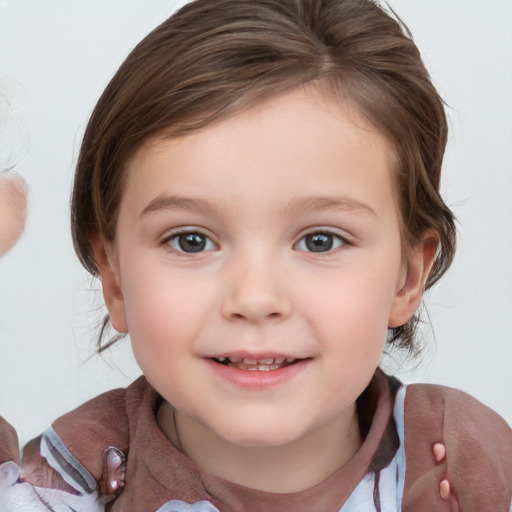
<point>354,304</point>
<point>164,310</point>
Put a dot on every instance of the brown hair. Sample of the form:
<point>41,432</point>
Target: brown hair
<point>213,58</point>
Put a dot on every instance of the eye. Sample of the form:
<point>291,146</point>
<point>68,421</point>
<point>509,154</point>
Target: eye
<point>320,241</point>
<point>190,242</point>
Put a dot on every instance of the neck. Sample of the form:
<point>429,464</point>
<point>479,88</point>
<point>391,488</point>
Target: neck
<point>292,467</point>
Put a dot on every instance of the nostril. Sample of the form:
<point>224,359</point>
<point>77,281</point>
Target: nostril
<point>240,316</point>
<point>254,307</point>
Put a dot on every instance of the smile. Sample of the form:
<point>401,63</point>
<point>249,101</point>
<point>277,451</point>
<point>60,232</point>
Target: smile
<point>265,365</point>
<point>256,373</point>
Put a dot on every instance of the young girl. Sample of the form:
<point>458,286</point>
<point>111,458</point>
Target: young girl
<point>258,190</point>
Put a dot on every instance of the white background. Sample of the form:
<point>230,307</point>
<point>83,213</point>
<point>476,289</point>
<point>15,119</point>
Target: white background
<point>56,58</point>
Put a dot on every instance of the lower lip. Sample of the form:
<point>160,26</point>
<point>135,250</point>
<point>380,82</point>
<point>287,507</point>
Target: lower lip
<point>258,379</point>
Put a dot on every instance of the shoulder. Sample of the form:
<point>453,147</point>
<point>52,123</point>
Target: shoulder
<point>87,431</point>
<point>72,453</point>
<point>478,459</point>
<point>8,442</point>
<point>63,467</point>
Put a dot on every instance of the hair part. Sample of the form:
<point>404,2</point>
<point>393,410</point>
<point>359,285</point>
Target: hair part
<point>213,59</point>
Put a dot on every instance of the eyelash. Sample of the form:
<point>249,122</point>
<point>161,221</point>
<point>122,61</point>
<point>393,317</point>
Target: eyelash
<point>175,236</point>
<point>336,240</point>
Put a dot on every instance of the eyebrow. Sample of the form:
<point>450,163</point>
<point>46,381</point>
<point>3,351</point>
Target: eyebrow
<point>162,203</point>
<point>295,206</point>
<point>309,204</point>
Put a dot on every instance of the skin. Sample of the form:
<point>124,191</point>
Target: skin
<point>253,187</point>
<point>13,210</point>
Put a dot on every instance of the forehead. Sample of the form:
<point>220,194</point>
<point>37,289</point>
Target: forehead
<point>301,142</point>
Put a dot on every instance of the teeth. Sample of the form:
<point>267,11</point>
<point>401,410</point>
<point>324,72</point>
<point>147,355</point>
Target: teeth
<point>268,361</point>
<point>264,364</point>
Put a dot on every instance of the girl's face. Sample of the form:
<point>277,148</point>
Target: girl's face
<point>257,267</point>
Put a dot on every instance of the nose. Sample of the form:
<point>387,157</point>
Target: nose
<point>255,292</point>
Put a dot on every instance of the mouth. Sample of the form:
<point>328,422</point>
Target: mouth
<point>262,365</point>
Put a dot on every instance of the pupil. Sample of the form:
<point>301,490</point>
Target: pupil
<point>192,242</point>
<point>319,242</point>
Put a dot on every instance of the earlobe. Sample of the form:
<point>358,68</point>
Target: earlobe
<point>408,296</point>
<point>110,282</point>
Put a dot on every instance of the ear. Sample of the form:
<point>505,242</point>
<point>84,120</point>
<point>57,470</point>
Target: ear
<point>412,283</point>
<point>110,282</point>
